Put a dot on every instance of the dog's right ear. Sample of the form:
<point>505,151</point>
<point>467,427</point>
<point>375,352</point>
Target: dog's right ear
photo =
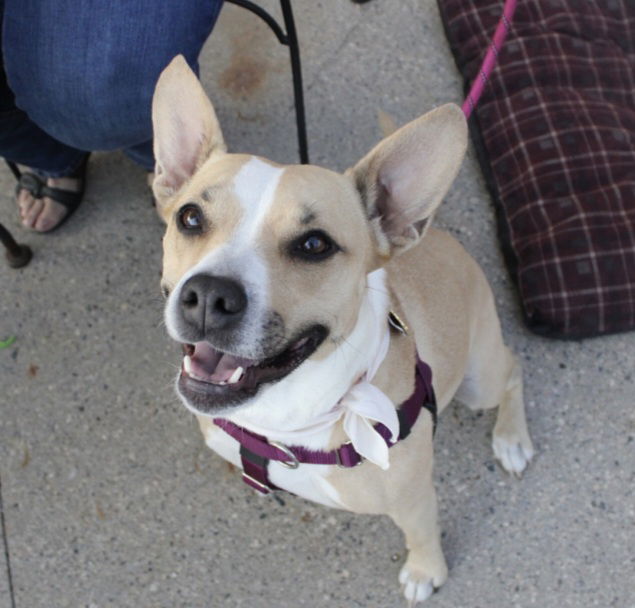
<point>186,130</point>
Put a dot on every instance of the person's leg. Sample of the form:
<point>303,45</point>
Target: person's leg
<point>88,73</point>
<point>142,154</point>
<point>23,142</point>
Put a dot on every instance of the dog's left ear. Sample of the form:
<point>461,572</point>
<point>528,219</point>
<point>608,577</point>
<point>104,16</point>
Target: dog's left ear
<point>405,177</point>
<point>186,130</point>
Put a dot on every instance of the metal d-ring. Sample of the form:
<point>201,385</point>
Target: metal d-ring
<point>293,462</point>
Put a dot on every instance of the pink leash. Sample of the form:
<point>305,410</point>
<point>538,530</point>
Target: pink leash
<point>502,29</point>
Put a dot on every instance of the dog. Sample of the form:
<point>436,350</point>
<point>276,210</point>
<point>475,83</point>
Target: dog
<point>306,302</point>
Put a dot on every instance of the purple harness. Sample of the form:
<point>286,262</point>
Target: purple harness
<point>256,451</point>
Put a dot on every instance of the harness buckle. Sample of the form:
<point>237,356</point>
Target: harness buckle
<point>255,484</point>
<point>293,462</point>
<point>347,457</point>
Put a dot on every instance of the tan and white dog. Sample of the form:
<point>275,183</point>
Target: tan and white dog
<point>279,281</point>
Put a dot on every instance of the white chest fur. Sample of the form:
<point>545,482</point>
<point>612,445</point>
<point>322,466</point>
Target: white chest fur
<point>308,481</point>
<point>294,403</point>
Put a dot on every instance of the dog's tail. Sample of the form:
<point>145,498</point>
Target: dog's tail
<point>387,124</point>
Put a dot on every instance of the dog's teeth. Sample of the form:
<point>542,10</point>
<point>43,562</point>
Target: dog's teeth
<point>187,365</point>
<point>235,377</point>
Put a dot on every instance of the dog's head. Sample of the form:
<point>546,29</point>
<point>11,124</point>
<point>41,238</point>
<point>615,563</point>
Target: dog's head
<point>265,265</point>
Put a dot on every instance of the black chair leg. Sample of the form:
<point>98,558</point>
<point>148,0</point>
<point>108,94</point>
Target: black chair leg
<point>296,72</point>
<point>17,255</point>
<point>14,169</point>
<point>290,39</point>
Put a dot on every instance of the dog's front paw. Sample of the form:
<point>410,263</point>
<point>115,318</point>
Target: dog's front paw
<point>418,585</point>
<point>514,453</point>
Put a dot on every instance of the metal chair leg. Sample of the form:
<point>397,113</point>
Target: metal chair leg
<point>290,39</point>
<point>17,255</point>
<point>296,71</point>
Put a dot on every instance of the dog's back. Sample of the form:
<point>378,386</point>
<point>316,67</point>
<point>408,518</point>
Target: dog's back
<point>448,303</point>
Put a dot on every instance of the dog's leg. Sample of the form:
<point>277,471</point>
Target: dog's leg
<point>425,569</point>
<point>511,442</point>
<point>415,513</point>
<point>494,377</point>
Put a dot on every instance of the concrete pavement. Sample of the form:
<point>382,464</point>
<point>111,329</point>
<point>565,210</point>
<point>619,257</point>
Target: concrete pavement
<point>111,499</point>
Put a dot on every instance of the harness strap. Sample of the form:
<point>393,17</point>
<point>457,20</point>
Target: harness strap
<point>256,450</point>
<point>255,471</point>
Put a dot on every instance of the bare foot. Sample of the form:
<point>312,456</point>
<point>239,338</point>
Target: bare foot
<point>44,214</point>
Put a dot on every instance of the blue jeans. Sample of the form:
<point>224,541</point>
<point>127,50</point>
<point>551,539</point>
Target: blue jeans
<point>78,75</point>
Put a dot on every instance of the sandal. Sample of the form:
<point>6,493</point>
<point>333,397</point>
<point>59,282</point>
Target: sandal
<point>36,186</point>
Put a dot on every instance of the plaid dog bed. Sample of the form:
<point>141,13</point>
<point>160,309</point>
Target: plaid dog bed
<point>554,131</point>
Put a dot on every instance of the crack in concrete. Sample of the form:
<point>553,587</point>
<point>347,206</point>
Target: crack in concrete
<point>332,57</point>
<point>5,542</point>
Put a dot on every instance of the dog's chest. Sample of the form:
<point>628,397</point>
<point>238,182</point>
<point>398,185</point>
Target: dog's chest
<point>308,481</point>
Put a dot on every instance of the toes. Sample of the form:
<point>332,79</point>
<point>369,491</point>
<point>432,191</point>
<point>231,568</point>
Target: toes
<point>45,214</point>
<point>514,456</point>
<point>51,215</point>
<point>416,592</point>
<point>29,217</point>
<point>416,588</point>
<point>25,202</point>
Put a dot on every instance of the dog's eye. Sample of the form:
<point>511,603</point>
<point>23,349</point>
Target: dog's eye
<point>190,218</point>
<point>314,246</point>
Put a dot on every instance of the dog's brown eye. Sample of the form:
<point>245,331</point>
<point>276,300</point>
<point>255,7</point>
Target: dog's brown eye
<point>190,219</point>
<point>314,246</point>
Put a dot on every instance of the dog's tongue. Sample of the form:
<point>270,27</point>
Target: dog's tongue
<point>214,366</point>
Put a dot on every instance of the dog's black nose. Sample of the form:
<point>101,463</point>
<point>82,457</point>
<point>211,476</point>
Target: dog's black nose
<point>212,303</point>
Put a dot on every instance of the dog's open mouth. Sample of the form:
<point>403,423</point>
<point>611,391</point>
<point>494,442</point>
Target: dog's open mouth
<point>211,379</point>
